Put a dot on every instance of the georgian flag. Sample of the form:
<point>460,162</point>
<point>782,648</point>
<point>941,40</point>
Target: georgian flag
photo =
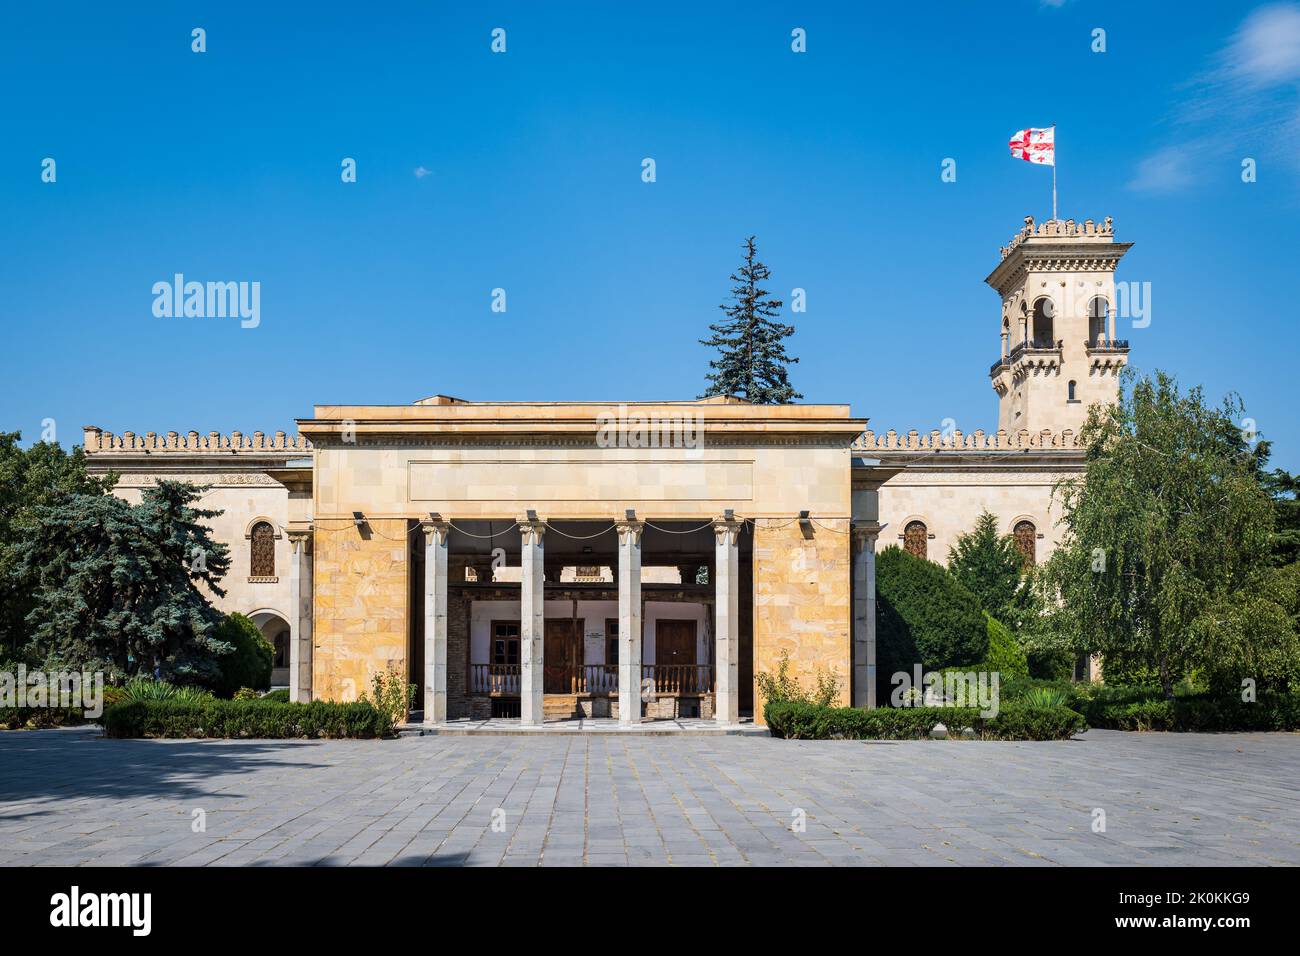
<point>1035,146</point>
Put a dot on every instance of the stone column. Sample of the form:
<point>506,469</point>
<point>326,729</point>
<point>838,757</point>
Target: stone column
<point>300,611</point>
<point>864,613</point>
<point>629,620</point>
<point>726,629</point>
<point>532,594</point>
<point>435,620</point>
<point>1110,315</point>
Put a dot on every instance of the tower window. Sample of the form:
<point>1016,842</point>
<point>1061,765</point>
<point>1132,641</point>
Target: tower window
<point>1043,313</point>
<point>1026,535</point>
<point>261,556</point>
<point>1098,321</point>
<point>1071,391</point>
<point>914,538</point>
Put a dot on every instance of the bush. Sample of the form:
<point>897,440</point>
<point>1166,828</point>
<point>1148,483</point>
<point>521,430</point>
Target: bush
<point>238,718</point>
<point>146,688</point>
<point>392,694</point>
<point>281,695</point>
<point>1145,708</point>
<point>40,718</point>
<point>796,721</point>
<point>925,616</point>
<point>249,662</point>
<point>784,686</point>
<point>1005,655</point>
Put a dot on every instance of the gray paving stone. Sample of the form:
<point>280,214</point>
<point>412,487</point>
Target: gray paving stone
<point>1181,799</point>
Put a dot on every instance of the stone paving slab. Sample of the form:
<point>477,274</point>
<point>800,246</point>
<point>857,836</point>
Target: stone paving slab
<point>69,797</point>
<point>689,727</point>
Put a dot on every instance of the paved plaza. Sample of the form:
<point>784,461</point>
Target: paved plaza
<point>71,797</point>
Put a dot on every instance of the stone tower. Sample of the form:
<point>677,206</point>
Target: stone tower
<point>1059,351</point>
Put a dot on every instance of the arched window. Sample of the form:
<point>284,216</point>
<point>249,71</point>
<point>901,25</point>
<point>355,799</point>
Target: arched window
<point>261,556</point>
<point>1043,312</point>
<point>1071,393</point>
<point>1098,321</point>
<point>1026,536</point>
<point>914,538</point>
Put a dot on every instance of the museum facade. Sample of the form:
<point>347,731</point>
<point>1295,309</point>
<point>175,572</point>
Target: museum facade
<point>535,560</point>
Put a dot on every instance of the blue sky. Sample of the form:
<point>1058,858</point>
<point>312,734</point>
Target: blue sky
<point>225,165</point>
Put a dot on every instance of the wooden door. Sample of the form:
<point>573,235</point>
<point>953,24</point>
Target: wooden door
<point>562,655</point>
<point>675,672</point>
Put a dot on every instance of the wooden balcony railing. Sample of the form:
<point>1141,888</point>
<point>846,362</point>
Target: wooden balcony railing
<point>499,679</point>
<point>679,678</point>
<point>597,680</point>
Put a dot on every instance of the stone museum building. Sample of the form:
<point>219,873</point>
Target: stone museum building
<point>636,560</point>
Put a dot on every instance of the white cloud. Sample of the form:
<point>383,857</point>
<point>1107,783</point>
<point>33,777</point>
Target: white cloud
<point>1164,171</point>
<point>1242,105</point>
<point>1265,50</point>
<point>422,171</point>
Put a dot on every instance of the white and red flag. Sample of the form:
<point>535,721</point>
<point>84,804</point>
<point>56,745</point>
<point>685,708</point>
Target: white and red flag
<point>1035,146</point>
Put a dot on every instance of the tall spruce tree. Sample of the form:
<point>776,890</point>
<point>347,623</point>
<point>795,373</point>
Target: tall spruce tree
<point>117,585</point>
<point>991,568</point>
<point>30,478</point>
<point>752,363</point>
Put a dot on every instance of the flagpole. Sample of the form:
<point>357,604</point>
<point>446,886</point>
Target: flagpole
<point>1053,172</point>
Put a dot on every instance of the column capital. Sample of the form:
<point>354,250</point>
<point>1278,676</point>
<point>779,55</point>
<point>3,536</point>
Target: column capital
<point>299,535</point>
<point>629,532</point>
<point>727,531</point>
<point>532,530</point>
<point>435,531</point>
<point>865,533</point>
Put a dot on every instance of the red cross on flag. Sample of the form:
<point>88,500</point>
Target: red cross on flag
<point>1035,146</point>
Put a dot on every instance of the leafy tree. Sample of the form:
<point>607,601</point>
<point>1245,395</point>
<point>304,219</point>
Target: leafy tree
<point>752,363</point>
<point>1166,521</point>
<point>1253,634</point>
<point>29,479</point>
<point>117,586</point>
<point>925,616</point>
<point>250,660</point>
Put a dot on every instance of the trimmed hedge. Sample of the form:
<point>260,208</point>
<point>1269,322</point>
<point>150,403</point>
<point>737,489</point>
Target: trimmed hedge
<point>245,718</point>
<point>1197,713</point>
<point>793,721</point>
<point>40,718</point>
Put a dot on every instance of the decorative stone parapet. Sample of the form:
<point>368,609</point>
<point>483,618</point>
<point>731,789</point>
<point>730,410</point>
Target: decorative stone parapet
<point>99,441</point>
<point>978,440</point>
<point>1059,229</point>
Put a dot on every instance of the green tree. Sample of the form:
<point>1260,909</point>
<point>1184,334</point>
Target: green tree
<point>1284,488</point>
<point>1166,521</point>
<point>117,585</point>
<point>752,363</point>
<point>29,479</point>
<point>991,567</point>
<point>250,660</point>
<point>925,616</point>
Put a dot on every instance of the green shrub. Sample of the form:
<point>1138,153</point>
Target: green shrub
<point>40,718</point>
<point>1005,655</point>
<point>244,718</point>
<point>784,686</point>
<point>797,721</point>
<point>146,688</point>
<point>1045,697</point>
<point>281,695</point>
<point>249,662</point>
<point>923,616</point>
<point>245,693</point>
<point>392,694</point>
<point>1145,708</point>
